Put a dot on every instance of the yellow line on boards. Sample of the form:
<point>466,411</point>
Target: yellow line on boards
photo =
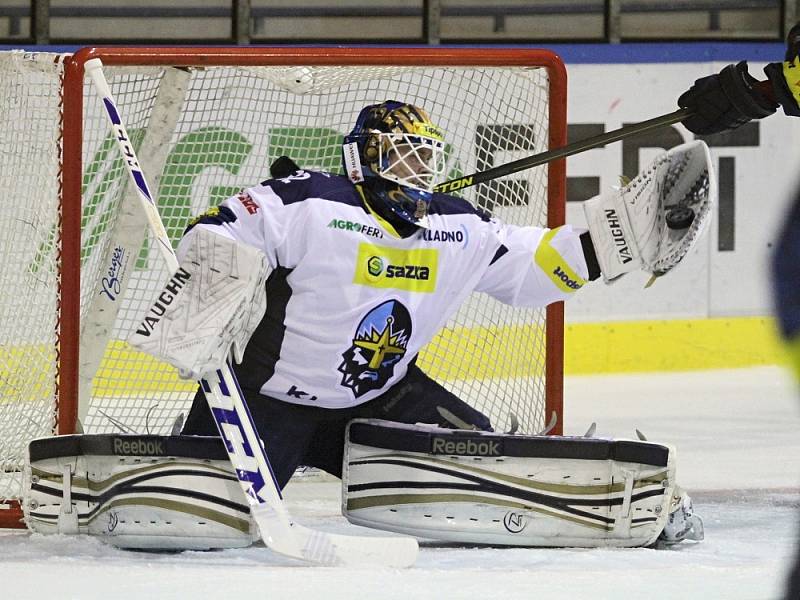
<point>466,353</point>
<point>671,345</point>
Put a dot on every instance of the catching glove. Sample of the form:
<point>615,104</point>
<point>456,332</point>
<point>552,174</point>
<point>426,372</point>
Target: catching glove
<point>655,220</point>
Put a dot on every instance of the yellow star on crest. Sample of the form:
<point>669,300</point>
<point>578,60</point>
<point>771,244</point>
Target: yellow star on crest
<point>381,344</point>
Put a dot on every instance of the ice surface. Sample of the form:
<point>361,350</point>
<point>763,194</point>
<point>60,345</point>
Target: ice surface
<point>738,439</point>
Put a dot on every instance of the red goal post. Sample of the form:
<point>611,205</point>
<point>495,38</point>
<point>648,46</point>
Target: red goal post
<point>495,105</point>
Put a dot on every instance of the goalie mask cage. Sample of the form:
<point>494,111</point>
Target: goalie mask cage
<point>207,122</point>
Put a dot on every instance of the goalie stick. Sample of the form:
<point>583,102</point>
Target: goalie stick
<point>235,424</point>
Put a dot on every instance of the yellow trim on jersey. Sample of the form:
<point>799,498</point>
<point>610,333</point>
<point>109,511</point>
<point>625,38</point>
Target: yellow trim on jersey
<point>381,267</point>
<point>555,267</point>
<point>381,221</point>
<point>791,72</point>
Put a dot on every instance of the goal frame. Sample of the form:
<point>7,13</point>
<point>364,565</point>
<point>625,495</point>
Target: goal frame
<point>67,384</point>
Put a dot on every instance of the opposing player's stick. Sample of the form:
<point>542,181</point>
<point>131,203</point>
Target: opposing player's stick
<point>235,423</point>
<point>576,147</point>
<point>568,150</point>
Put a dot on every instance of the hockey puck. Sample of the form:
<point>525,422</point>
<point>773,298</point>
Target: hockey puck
<point>679,217</point>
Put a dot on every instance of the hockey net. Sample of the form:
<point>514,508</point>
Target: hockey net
<point>207,122</point>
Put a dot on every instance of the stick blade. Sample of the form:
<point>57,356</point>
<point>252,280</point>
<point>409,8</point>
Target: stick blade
<point>332,549</point>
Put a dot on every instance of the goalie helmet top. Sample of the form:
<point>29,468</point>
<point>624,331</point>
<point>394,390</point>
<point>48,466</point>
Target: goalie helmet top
<point>398,143</point>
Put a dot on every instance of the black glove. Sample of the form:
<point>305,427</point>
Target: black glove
<point>725,101</point>
<point>785,76</point>
<point>283,167</point>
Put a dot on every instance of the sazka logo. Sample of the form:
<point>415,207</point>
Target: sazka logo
<point>380,342</point>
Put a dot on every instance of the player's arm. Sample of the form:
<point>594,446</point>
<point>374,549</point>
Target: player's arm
<point>733,97</point>
<point>650,224</point>
<point>532,266</point>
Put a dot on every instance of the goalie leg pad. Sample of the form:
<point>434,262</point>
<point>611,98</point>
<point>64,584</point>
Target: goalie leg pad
<point>137,491</point>
<point>489,488</point>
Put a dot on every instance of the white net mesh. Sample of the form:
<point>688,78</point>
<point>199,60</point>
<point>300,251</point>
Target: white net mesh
<point>29,219</point>
<point>202,134</point>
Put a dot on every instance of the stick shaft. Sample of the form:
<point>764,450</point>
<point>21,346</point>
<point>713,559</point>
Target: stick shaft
<point>765,87</point>
<point>237,429</point>
<point>226,403</point>
<point>568,150</point>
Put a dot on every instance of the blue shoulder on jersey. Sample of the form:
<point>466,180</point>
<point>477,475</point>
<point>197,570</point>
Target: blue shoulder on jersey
<point>445,204</point>
<point>313,184</point>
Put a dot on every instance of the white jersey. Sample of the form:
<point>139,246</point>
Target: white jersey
<point>350,303</point>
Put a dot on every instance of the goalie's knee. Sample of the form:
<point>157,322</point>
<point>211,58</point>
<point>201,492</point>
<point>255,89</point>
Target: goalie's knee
<point>140,491</point>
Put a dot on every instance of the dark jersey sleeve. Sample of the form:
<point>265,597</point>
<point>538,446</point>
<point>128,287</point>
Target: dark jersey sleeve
<point>786,274</point>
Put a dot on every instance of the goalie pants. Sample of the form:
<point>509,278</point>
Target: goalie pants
<point>296,434</point>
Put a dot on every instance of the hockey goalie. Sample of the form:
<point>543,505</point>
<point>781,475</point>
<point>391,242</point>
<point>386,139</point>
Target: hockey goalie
<point>324,288</point>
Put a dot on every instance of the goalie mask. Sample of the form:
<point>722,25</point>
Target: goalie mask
<point>401,152</point>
